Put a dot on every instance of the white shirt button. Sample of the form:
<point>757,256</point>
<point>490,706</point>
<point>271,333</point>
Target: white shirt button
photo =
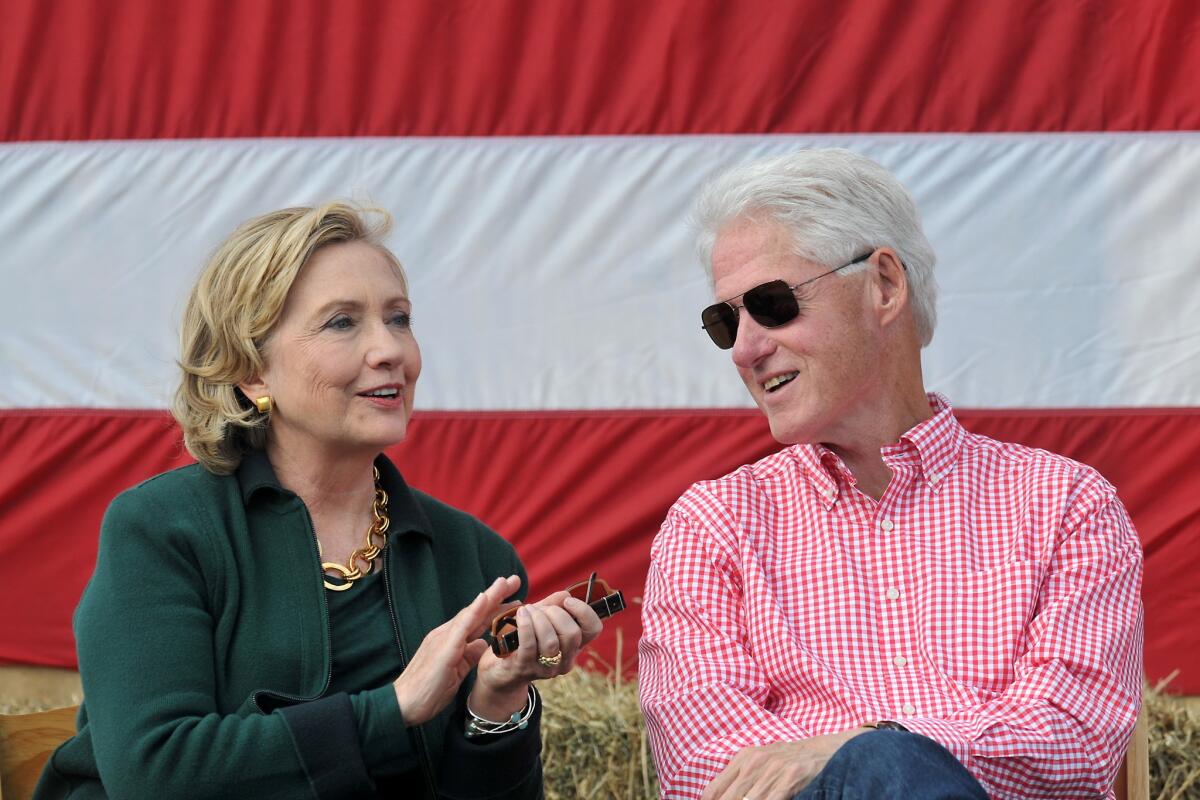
<point>892,594</point>
<point>909,709</point>
<point>886,525</point>
<point>899,661</point>
<point>934,477</point>
<point>831,493</point>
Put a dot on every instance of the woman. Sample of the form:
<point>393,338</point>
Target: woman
<point>287,618</point>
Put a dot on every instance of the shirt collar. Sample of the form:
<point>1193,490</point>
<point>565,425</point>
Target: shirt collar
<point>256,475</point>
<point>826,469</point>
<point>933,445</point>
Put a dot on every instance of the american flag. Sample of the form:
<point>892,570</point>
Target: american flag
<point>539,158</point>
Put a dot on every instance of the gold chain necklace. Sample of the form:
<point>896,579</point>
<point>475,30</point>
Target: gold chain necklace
<point>368,552</point>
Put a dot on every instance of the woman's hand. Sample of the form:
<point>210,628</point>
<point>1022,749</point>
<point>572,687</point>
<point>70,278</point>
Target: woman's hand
<point>556,626</point>
<point>448,652</point>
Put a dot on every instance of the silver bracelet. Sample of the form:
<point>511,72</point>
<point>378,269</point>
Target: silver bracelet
<point>481,726</point>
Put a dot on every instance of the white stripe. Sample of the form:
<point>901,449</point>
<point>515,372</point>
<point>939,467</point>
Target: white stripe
<point>553,273</point>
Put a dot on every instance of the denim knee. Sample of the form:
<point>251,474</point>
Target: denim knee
<point>887,763</point>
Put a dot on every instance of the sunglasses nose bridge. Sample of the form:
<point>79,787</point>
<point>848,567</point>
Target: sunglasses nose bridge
<point>726,331</point>
<point>769,305</point>
<point>752,341</point>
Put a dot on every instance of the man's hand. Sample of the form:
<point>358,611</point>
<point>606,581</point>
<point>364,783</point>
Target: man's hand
<point>776,771</point>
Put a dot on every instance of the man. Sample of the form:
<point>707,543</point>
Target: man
<point>890,606</point>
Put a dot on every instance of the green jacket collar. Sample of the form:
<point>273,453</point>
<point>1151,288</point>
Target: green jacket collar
<point>255,475</point>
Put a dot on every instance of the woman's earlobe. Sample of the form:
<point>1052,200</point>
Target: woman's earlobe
<point>253,390</point>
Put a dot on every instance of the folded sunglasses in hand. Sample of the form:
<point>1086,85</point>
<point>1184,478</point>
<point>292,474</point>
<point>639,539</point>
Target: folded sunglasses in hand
<point>596,592</point>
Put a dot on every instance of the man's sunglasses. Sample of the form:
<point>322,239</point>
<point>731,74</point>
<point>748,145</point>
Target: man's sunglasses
<point>770,304</point>
<point>596,592</point>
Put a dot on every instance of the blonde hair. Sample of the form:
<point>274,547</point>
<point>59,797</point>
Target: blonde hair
<point>231,311</point>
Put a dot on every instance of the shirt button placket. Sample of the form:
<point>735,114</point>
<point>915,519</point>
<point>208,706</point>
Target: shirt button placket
<point>898,635</point>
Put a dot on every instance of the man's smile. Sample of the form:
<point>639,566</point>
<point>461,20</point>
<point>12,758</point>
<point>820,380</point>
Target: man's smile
<point>773,383</point>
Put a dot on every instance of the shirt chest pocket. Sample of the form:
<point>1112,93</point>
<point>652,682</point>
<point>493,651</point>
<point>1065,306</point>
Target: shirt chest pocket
<point>977,636</point>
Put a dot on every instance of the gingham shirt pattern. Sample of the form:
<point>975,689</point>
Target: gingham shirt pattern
<point>989,600</point>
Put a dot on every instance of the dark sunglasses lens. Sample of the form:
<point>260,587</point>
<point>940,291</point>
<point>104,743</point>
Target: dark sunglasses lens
<point>721,323</point>
<point>507,618</point>
<point>771,304</point>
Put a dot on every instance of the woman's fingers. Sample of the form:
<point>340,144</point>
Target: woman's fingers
<point>557,627</point>
<point>556,635</point>
<point>585,616</point>
<point>568,633</point>
<point>470,622</point>
<point>474,651</point>
<point>538,637</point>
<point>449,652</point>
<point>501,589</point>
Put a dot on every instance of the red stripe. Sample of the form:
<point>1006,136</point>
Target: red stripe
<point>144,69</point>
<point>573,491</point>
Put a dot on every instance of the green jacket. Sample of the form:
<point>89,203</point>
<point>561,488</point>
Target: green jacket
<point>204,647</point>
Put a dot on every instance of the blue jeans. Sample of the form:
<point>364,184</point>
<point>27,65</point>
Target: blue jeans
<point>893,765</point>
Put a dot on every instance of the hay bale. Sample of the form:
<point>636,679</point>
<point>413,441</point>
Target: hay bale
<point>26,689</point>
<point>595,746</point>
<point>594,741</point>
<point>1174,747</point>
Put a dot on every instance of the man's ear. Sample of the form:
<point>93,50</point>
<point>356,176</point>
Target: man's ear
<point>891,285</point>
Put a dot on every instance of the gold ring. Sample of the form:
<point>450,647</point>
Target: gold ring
<point>550,661</point>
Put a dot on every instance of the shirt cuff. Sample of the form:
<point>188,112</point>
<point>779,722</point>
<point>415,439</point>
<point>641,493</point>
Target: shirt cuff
<point>384,738</point>
<point>326,741</point>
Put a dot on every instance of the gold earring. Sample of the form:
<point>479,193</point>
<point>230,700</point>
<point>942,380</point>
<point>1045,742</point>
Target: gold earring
<point>263,404</point>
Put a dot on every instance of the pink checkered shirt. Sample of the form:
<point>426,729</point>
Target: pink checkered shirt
<point>990,600</point>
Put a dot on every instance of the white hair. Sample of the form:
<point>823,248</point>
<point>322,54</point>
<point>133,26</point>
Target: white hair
<point>836,204</point>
